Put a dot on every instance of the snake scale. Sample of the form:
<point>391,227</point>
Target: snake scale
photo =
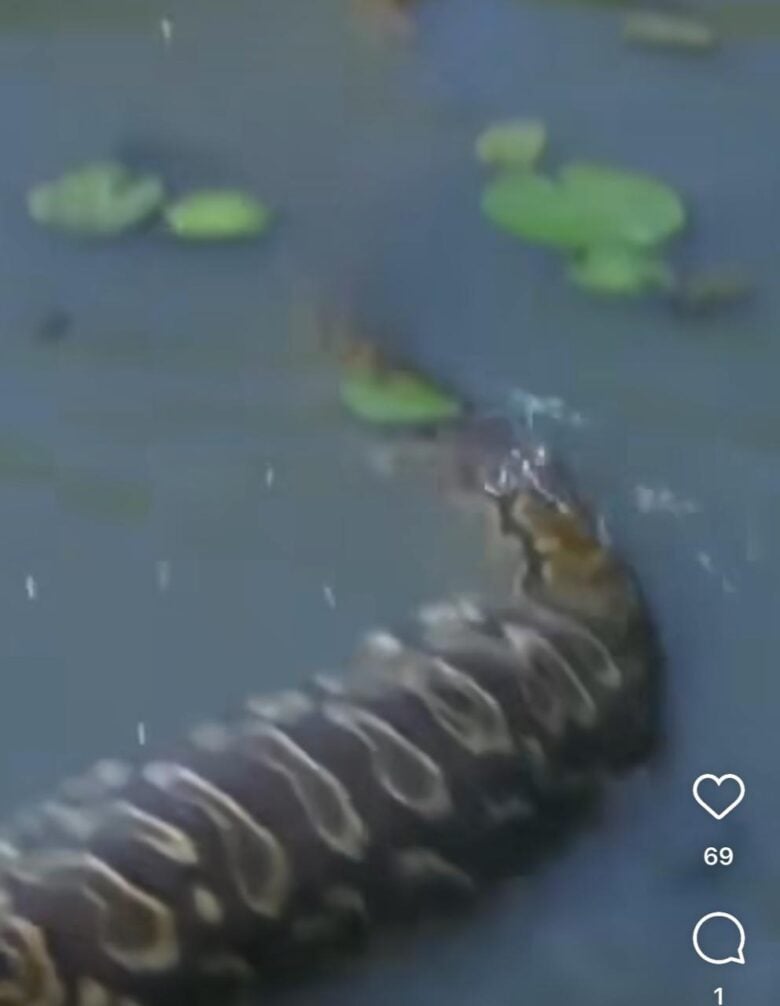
<point>444,758</point>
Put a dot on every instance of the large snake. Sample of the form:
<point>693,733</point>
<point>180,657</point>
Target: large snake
<point>448,756</point>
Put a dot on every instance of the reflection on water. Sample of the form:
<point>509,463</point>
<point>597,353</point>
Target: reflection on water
<point>186,517</point>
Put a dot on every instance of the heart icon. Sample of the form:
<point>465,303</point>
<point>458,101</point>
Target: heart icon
<point>719,781</point>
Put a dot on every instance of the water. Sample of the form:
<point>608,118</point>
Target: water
<point>155,571</point>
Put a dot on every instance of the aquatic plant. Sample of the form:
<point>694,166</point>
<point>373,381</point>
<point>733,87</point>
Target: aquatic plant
<point>712,289</point>
<point>102,199</point>
<point>378,392</point>
<point>668,29</point>
<point>217,215</point>
<point>619,269</point>
<point>588,204</point>
<point>610,222</point>
<point>516,143</point>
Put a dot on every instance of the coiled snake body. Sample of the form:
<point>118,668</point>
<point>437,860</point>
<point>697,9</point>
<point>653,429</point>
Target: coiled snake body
<point>437,763</point>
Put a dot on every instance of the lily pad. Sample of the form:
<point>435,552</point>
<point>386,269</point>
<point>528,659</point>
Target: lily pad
<point>624,205</point>
<point>100,200</point>
<point>534,207</point>
<point>382,395</point>
<point>619,270</point>
<point>217,215</point>
<point>517,143</point>
<point>588,205</point>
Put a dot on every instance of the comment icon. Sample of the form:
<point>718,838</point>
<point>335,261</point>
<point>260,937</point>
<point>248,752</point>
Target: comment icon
<point>738,956</point>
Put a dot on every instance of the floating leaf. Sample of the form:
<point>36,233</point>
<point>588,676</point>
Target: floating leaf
<point>217,215</point>
<point>377,393</point>
<point>619,270</point>
<point>517,143</point>
<point>534,207</point>
<point>588,205</point>
<point>98,200</point>
<point>671,30</point>
<point>624,205</point>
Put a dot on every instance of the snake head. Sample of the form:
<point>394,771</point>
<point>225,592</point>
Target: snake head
<point>566,561</point>
<point>527,469</point>
<point>570,570</point>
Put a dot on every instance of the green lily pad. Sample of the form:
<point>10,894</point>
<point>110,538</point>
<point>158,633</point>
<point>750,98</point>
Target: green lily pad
<point>377,394</point>
<point>217,215</point>
<point>587,205</point>
<point>533,207</point>
<point>619,270</point>
<point>99,200</point>
<point>624,205</point>
<point>517,143</point>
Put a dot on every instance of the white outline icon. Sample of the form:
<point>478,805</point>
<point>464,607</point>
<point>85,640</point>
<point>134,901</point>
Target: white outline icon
<point>739,959</point>
<point>719,780</point>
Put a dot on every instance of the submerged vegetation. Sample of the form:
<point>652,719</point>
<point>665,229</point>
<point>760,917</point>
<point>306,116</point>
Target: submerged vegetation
<point>727,19</point>
<point>668,29</point>
<point>712,290</point>
<point>82,492</point>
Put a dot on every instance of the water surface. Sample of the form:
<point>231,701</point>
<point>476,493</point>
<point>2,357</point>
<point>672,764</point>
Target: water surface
<point>186,518</point>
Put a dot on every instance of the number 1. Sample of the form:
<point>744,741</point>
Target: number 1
<point>719,996</point>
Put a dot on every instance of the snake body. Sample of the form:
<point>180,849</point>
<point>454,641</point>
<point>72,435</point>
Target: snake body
<point>441,760</point>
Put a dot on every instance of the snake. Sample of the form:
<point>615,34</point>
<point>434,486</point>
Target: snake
<point>452,752</point>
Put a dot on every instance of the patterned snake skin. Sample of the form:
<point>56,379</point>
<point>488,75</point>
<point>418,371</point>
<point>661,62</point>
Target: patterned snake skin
<point>441,760</point>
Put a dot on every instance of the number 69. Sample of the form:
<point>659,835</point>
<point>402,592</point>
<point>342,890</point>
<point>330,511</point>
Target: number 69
<point>715,857</point>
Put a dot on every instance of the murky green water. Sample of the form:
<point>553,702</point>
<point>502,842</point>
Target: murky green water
<point>186,518</point>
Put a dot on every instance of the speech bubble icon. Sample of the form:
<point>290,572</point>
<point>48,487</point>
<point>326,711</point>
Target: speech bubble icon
<point>740,955</point>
